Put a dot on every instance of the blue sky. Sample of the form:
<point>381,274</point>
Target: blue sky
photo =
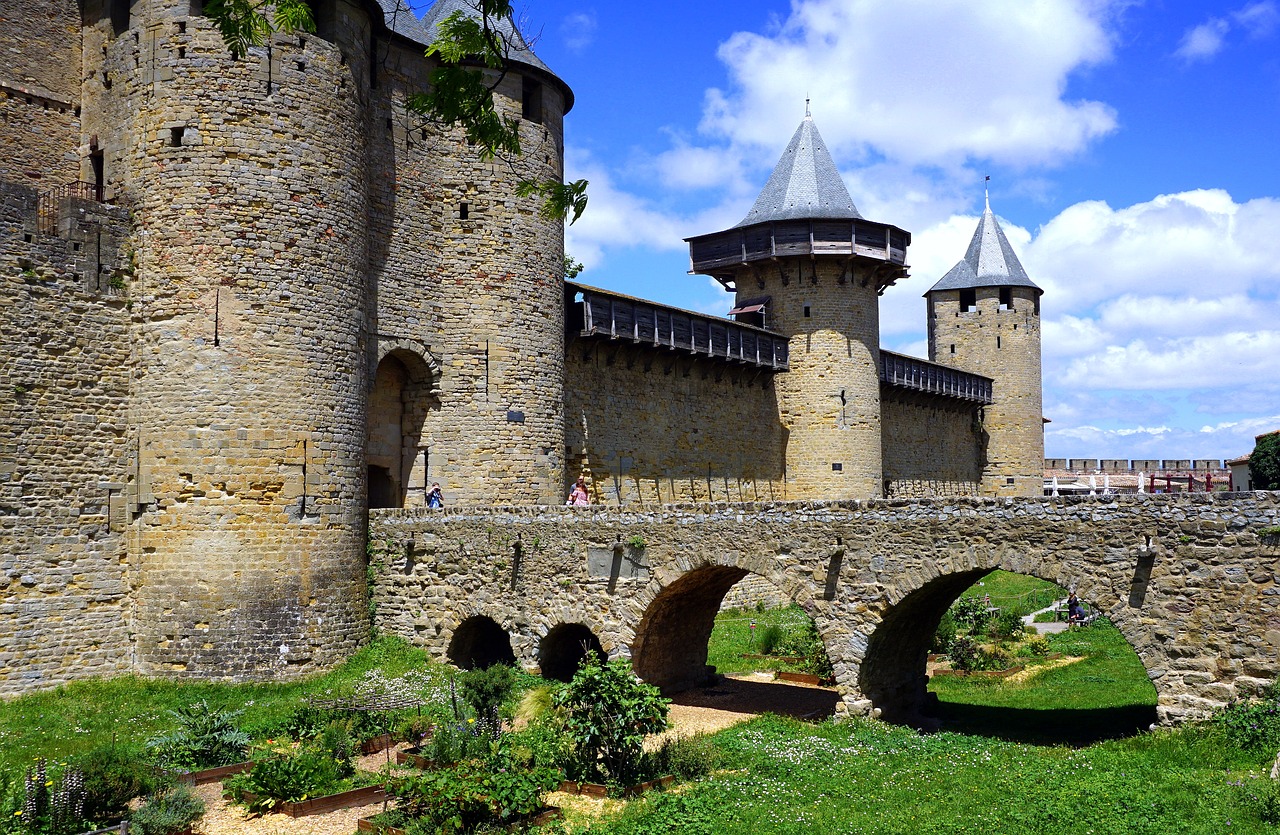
<point>1132,148</point>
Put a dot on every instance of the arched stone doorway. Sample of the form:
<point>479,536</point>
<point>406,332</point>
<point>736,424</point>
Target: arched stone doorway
<point>563,649</point>
<point>479,642</point>
<point>404,394</point>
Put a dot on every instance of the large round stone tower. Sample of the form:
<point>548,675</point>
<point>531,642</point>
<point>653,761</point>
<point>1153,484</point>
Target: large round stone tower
<point>246,183</point>
<point>984,317</point>
<point>815,268</point>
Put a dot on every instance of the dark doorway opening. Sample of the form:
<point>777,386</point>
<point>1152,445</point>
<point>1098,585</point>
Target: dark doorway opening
<point>564,648</point>
<point>479,642</point>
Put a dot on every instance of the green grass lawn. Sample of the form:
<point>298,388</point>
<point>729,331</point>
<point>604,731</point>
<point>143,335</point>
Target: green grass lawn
<point>1105,695</point>
<point>732,638</point>
<point>129,710</point>
<point>1016,592</point>
<point>784,777</point>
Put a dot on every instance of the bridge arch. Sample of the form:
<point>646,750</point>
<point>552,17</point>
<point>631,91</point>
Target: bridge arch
<point>891,674</point>
<point>563,649</point>
<point>669,644</point>
<point>479,642</point>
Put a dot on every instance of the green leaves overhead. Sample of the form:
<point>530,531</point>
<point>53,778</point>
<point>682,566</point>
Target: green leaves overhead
<point>245,23</point>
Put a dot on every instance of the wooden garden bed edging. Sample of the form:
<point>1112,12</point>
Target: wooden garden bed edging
<point>362,796</point>
<point>213,775</point>
<point>378,743</point>
<point>798,678</point>
<point>413,757</point>
<point>597,790</point>
<point>790,659</point>
<point>546,815</point>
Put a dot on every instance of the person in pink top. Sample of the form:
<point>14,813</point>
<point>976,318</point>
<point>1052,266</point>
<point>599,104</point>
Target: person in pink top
<point>578,495</point>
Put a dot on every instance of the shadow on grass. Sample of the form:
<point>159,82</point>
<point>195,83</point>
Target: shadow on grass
<point>1059,726</point>
<point>738,695</point>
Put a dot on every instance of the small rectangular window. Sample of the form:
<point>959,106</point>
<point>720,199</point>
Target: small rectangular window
<point>1006,298</point>
<point>807,312</point>
<point>953,347</point>
<point>837,468</point>
<point>531,100</point>
<point>997,341</point>
<point>464,211</point>
<point>968,300</point>
<point>1009,481</point>
<point>175,136</point>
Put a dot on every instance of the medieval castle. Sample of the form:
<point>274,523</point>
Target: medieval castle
<point>244,301</point>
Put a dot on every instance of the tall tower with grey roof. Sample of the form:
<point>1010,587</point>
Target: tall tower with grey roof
<point>814,267</point>
<point>984,317</point>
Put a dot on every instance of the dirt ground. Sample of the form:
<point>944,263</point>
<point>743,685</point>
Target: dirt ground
<point>706,710</point>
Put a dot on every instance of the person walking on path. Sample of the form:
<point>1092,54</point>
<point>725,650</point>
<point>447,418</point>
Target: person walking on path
<point>578,495</point>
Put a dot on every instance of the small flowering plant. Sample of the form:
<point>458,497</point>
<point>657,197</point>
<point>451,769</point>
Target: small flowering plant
<point>48,800</point>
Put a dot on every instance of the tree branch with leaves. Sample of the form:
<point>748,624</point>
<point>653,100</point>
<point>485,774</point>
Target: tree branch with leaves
<point>474,54</point>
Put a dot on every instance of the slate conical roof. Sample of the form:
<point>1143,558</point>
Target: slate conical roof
<point>441,9</point>
<point>989,262</point>
<point>805,184</point>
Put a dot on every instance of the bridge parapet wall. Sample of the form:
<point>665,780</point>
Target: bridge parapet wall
<point>1189,580</point>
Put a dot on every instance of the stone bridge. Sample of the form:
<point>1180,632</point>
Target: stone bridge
<point>1192,581</point>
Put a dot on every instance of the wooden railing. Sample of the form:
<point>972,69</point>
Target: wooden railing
<point>930,377</point>
<point>600,313</point>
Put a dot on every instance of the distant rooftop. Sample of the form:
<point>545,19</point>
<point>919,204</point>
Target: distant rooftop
<point>404,22</point>
<point>989,262</point>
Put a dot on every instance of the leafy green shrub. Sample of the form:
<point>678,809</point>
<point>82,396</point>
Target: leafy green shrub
<point>114,776</point>
<point>167,812</point>
<point>206,737</point>
<point>1264,462</point>
<point>769,639</point>
<point>288,777</point>
<point>944,634</point>
<point>337,743</point>
<point>806,644</point>
<point>608,713</point>
<point>1007,625</point>
<point>964,653</point>
<point>472,793</point>
<point>1037,646</point>
<point>453,742</point>
<point>687,757</point>
<point>485,691</point>
<point>1252,726</point>
<point>414,730</point>
<point>971,612</point>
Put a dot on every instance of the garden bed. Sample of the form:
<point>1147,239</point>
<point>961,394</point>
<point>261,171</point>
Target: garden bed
<point>598,790</point>
<point>377,744</point>
<point>213,775</point>
<point>362,796</point>
<point>545,815</point>
<point>1005,673</point>
<point>414,757</point>
<point>788,659</point>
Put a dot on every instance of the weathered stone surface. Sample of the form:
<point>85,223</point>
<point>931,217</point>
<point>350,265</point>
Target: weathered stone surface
<point>900,564</point>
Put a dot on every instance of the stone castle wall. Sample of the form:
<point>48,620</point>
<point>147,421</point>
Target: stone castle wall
<point>469,271</point>
<point>1004,344</point>
<point>931,448</point>
<point>829,402</point>
<point>1188,580</point>
<point>64,449</point>
<point>650,427</point>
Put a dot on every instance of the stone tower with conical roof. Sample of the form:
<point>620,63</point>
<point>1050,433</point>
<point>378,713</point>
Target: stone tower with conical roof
<point>984,318</point>
<point>815,268</point>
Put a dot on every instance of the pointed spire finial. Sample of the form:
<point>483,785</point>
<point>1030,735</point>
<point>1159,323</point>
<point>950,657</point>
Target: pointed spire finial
<point>986,192</point>
<point>807,114</point>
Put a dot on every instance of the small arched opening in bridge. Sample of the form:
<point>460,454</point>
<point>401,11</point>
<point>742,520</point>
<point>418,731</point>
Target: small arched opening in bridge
<point>398,450</point>
<point>563,649</point>
<point>479,642</point>
<point>1098,689</point>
